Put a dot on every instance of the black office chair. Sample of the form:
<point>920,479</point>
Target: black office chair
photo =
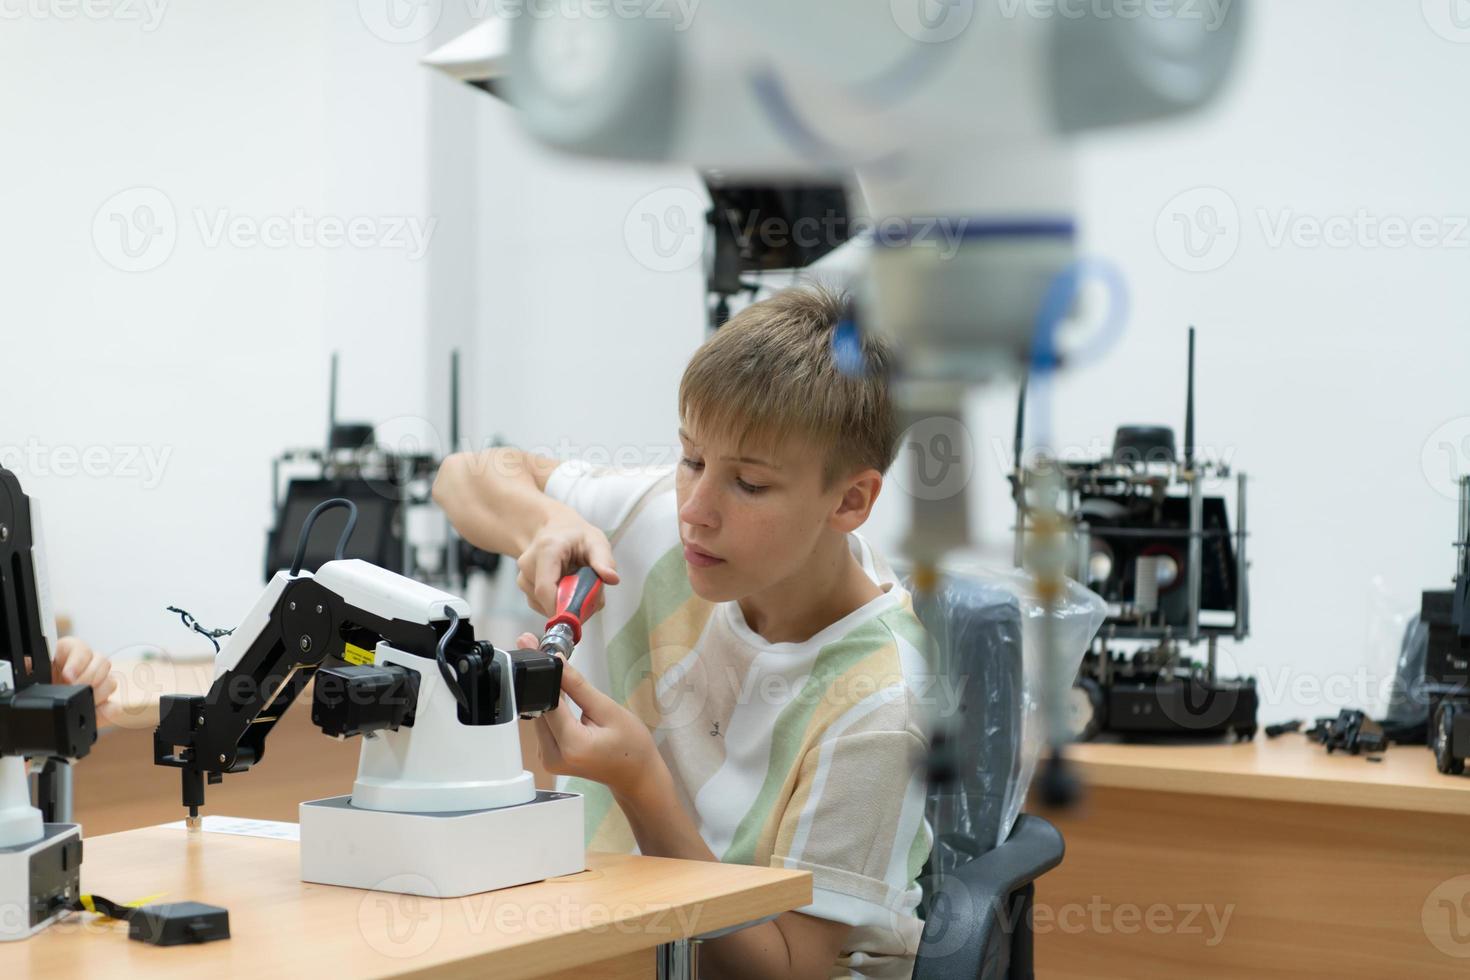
<point>978,894</point>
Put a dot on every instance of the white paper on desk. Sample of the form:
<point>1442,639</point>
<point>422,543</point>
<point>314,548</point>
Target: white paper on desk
<point>244,827</point>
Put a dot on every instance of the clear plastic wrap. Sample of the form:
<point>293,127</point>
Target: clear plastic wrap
<point>985,698</point>
<point>1408,702</point>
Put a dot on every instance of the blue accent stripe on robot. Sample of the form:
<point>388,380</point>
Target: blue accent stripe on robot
<point>968,229</point>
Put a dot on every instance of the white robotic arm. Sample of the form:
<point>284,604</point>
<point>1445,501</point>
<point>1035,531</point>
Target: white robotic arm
<point>441,804</point>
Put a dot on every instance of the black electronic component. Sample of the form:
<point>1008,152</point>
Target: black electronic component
<point>356,700</point>
<point>22,630</point>
<point>377,538</point>
<point>536,675</point>
<point>1446,683</point>
<point>384,483</point>
<point>1352,731</point>
<point>758,228</point>
<point>55,873</point>
<point>178,924</point>
<point>56,720</point>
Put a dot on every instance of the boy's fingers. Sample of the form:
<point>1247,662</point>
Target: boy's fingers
<point>600,557</point>
<point>106,690</point>
<point>548,573</point>
<point>593,702</point>
<point>550,750</point>
<point>526,641</point>
<point>96,672</point>
<point>76,665</point>
<point>561,727</point>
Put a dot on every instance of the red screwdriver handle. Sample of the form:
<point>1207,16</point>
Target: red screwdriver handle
<point>576,597</point>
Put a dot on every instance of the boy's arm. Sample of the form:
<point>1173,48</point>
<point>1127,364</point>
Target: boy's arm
<point>610,744</point>
<point>792,945</point>
<point>496,499</point>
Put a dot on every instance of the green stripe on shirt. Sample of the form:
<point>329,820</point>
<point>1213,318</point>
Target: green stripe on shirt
<point>833,661</point>
<point>628,655</point>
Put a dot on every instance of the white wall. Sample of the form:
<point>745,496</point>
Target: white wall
<point>1328,373</point>
<point>185,369</point>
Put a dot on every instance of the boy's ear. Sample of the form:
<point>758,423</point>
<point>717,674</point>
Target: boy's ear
<point>858,497</point>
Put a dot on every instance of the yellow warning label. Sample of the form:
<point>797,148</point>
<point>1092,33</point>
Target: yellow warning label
<point>357,656</point>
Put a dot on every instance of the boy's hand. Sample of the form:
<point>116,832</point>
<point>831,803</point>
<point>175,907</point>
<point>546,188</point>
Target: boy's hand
<point>75,663</point>
<point>563,545</point>
<point>607,744</point>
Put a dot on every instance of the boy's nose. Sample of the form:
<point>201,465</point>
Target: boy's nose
<point>697,512</point>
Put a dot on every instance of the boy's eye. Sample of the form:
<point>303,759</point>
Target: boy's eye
<point>748,488</point>
<point>692,464</point>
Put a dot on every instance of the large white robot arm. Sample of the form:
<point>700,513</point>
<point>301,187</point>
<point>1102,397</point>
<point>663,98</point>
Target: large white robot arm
<point>952,111</point>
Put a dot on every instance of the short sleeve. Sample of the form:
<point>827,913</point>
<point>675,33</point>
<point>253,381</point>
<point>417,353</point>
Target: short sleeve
<point>857,824</point>
<point>604,496</point>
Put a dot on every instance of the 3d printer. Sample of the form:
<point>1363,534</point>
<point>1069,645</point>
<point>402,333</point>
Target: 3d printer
<point>1149,540</point>
<point>399,527</point>
<point>1447,658</point>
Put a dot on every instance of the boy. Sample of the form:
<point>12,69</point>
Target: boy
<point>746,693</point>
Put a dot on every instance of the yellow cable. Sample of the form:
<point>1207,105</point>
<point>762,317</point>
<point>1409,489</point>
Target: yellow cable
<point>90,906</point>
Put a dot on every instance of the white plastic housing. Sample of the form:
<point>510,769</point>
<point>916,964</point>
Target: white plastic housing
<point>439,764</point>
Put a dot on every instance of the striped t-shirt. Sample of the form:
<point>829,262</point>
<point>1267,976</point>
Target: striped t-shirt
<point>794,755</point>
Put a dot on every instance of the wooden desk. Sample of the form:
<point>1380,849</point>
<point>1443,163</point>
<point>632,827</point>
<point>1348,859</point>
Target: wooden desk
<point>604,922</point>
<point>1264,859</point>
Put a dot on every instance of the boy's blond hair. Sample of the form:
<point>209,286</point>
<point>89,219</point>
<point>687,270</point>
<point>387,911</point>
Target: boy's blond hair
<point>772,374</point>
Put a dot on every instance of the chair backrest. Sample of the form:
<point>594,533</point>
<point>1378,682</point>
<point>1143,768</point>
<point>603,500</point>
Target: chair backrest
<point>981,681</point>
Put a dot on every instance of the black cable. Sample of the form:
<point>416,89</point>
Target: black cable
<point>444,671</point>
<point>102,906</point>
<point>311,519</point>
<point>211,635</point>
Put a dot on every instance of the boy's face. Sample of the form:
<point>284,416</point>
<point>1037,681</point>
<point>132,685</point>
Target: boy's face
<point>751,518</point>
